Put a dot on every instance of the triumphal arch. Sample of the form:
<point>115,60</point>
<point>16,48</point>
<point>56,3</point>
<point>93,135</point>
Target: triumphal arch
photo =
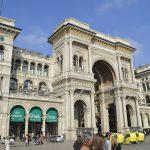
<point>94,75</point>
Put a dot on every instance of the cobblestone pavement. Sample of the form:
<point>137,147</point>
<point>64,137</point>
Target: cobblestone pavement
<point>68,146</point>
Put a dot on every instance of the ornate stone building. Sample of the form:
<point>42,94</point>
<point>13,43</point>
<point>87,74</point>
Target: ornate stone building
<point>88,82</point>
<point>142,75</point>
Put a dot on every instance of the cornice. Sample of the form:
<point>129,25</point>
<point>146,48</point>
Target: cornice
<point>91,33</point>
<point>10,29</point>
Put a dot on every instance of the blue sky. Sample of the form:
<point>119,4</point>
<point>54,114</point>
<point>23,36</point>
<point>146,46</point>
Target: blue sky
<point>128,19</point>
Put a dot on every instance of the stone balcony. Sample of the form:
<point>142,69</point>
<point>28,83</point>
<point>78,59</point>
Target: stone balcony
<point>21,74</point>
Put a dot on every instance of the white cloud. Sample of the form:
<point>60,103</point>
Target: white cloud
<point>114,4</point>
<point>35,37</point>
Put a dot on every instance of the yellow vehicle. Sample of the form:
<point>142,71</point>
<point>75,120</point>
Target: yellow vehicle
<point>133,138</point>
<point>140,137</point>
<point>120,138</point>
<point>130,137</point>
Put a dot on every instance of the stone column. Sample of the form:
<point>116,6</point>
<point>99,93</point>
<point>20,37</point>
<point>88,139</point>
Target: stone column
<point>5,125</point>
<point>35,72</point>
<point>107,119</point>
<point>21,66</point>
<point>44,125</point>
<point>132,71</point>
<point>71,109</point>
<point>145,120</point>
<point>59,126</point>
<point>93,110</point>
<point>119,110</point>
<point>66,59</point>
<point>103,113</point>
<point>89,59</point>
<point>119,67</point>
<point>8,124</point>
<point>139,123</point>
<point>42,74</point>
<point>26,123</point>
<point>29,63</point>
<point>124,112</point>
<point>71,55</point>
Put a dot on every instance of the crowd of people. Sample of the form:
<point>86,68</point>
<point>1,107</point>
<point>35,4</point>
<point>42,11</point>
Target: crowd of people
<point>37,140</point>
<point>96,142</point>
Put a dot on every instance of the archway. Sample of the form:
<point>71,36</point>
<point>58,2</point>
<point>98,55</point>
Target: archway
<point>51,122</point>
<point>105,77</point>
<point>17,121</point>
<point>79,114</point>
<point>35,121</point>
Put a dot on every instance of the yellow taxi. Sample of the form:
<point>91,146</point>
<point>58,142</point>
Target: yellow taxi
<point>140,137</point>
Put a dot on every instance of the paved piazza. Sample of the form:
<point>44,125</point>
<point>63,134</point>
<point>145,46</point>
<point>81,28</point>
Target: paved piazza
<point>68,146</point>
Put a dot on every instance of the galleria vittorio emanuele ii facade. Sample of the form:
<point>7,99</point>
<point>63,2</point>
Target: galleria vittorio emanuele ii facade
<point>88,82</point>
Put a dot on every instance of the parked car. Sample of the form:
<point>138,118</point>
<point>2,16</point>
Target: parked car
<point>57,138</point>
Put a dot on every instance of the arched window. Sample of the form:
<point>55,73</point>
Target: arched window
<point>17,65</point>
<point>81,63</point>
<point>25,67</point>
<point>27,85</point>
<point>39,69</point>
<point>147,99</point>
<point>42,87</point>
<point>144,87</point>
<point>1,53</point>
<point>60,63</point>
<point>46,71</point>
<point>148,87</point>
<point>13,84</point>
<point>75,62</point>
<point>32,68</point>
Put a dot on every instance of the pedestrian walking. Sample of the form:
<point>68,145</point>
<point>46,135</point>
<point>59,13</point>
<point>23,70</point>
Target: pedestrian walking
<point>114,144</point>
<point>27,140</point>
<point>7,143</point>
<point>98,142</point>
<point>87,140</point>
<point>78,143</point>
<point>107,143</point>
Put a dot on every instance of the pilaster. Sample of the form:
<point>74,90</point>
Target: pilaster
<point>26,123</point>
<point>119,110</point>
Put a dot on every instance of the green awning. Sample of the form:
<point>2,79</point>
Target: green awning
<point>51,115</point>
<point>17,114</point>
<point>35,115</point>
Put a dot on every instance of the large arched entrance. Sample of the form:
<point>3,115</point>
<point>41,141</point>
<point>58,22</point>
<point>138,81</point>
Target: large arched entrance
<point>79,114</point>
<point>35,121</point>
<point>51,122</point>
<point>17,121</point>
<point>104,95</point>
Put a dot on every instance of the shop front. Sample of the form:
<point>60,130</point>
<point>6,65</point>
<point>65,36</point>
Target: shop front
<point>35,121</point>
<point>51,122</point>
<point>17,121</point>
